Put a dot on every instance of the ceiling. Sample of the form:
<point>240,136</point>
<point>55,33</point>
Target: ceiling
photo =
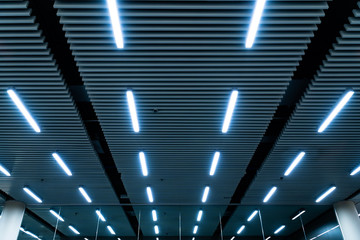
<point>181,60</point>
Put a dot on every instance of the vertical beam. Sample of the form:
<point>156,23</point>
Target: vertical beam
<point>11,219</point>
<point>348,219</point>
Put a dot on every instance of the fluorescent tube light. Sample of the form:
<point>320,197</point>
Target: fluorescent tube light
<point>229,111</point>
<point>193,238</point>
<point>14,97</point>
<point>199,216</point>
<point>74,230</point>
<point>232,238</point>
<point>206,193</point>
<point>325,194</point>
<point>154,215</point>
<point>85,195</point>
<point>156,228</point>
<point>294,163</point>
<point>143,164</point>
<point>252,215</point>
<point>279,229</point>
<point>149,193</point>
<point>56,215</point>
<point>5,171</point>
<point>255,22</point>
<point>62,164</point>
<point>98,212</point>
<point>33,195</point>
<point>268,238</point>
<point>132,109</point>
<point>324,232</point>
<point>115,22</point>
<point>241,229</point>
<point>195,229</point>
<point>111,230</point>
<point>354,172</point>
<point>269,195</point>
<point>336,110</point>
<point>214,163</point>
<point>29,233</point>
<point>301,212</point>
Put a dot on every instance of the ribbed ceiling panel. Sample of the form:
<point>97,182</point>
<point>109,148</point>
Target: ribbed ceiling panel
<point>183,59</point>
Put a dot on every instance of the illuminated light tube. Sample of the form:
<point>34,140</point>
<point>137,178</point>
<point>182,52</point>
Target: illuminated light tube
<point>255,22</point>
<point>149,194</point>
<point>154,215</point>
<point>205,194</point>
<point>229,111</point>
<point>132,109</point>
<point>214,163</point>
<point>336,110</point>
<point>270,194</point>
<point>196,227</point>
<point>241,229</point>
<point>354,172</point>
<point>252,215</point>
<point>62,164</point>
<point>294,163</point>
<point>115,22</point>
<point>14,97</point>
<point>29,233</point>
<point>57,215</point>
<point>279,229</point>
<point>324,232</point>
<point>232,238</point>
<point>74,230</point>
<point>102,218</point>
<point>268,238</point>
<point>301,212</point>
<point>33,195</point>
<point>5,171</point>
<point>325,194</point>
<point>143,164</point>
<point>111,230</point>
<point>85,195</point>
<point>199,216</point>
<point>193,238</point>
<point>156,229</point>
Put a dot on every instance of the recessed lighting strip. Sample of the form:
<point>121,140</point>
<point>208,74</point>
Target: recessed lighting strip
<point>132,109</point>
<point>294,163</point>
<point>255,22</point>
<point>57,215</point>
<point>229,111</point>
<point>270,194</point>
<point>279,229</point>
<point>115,22</point>
<point>62,164</point>
<point>74,230</point>
<point>85,195</point>
<point>205,194</point>
<point>32,194</point>
<point>325,194</point>
<point>214,163</point>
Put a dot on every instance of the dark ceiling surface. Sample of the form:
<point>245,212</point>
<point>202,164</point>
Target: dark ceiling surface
<point>182,60</point>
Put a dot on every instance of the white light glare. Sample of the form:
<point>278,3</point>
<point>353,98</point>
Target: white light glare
<point>279,229</point>
<point>143,163</point>
<point>33,195</point>
<point>199,216</point>
<point>241,229</point>
<point>62,164</point>
<point>354,172</point>
<point>268,238</point>
<point>29,233</point>
<point>56,215</point>
<point>156,228</point>
<point>229,111</point>
<point>74,230</point>
<point>294,163</point>
<point>324,232</point>
<point>325,194</point>
<point>336,110</point>
<point>132,109</point>
<point>5,171</point>
<point>85,195</point>
<point>14,97</point>
<point>252,215</point>
<point>154,215</point>
<point>98,212</point>
<point>111,230</point>
<point>195,229</point>
<point>269,195</point>
<point>255,22</point>
<point>115,22</point>
<point>149,193</point>
<point>298,215</point>
<point>214,163</point>
<point>206,193</point>
<point>232,238</point>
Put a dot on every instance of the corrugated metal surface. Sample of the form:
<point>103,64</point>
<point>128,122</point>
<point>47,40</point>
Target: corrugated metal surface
<point>184,58</point>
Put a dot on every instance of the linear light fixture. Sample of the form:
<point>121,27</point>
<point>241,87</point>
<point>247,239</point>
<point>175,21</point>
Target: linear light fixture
<point>255,22</point>
<point>150,195</point>
<point>102,218</point>
<point>132,109</point>
<point>214,163</point>
<point>252,215</point>
<point>354,172</point>
<point>74,230</point>
<point>85,195</point>
<point>232,238</point>
<point>33,195</point>
<point>331,229</point>
<point>270,194</point>
<point>5,171</point>
<point>154,215</point>
<point>156,229</point>
<point>325,194</point>
<point>229,111</point>
<point>193,238</point>
<point>301,212</point>
<point>115,22</point>
<point>62,164</point>
<point>241,229</point>
<point>111,230</point>
<point>279,229</point>
<point>335,111</point>
<point>29,233</point>
<point>196,227</point>
<point>205,194</point>
<point>57,215</point>
<point>19,104</point>
<point>199,216</point>
<point>143,163</point>
<point>268,238</point>
<point>294,163</point>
